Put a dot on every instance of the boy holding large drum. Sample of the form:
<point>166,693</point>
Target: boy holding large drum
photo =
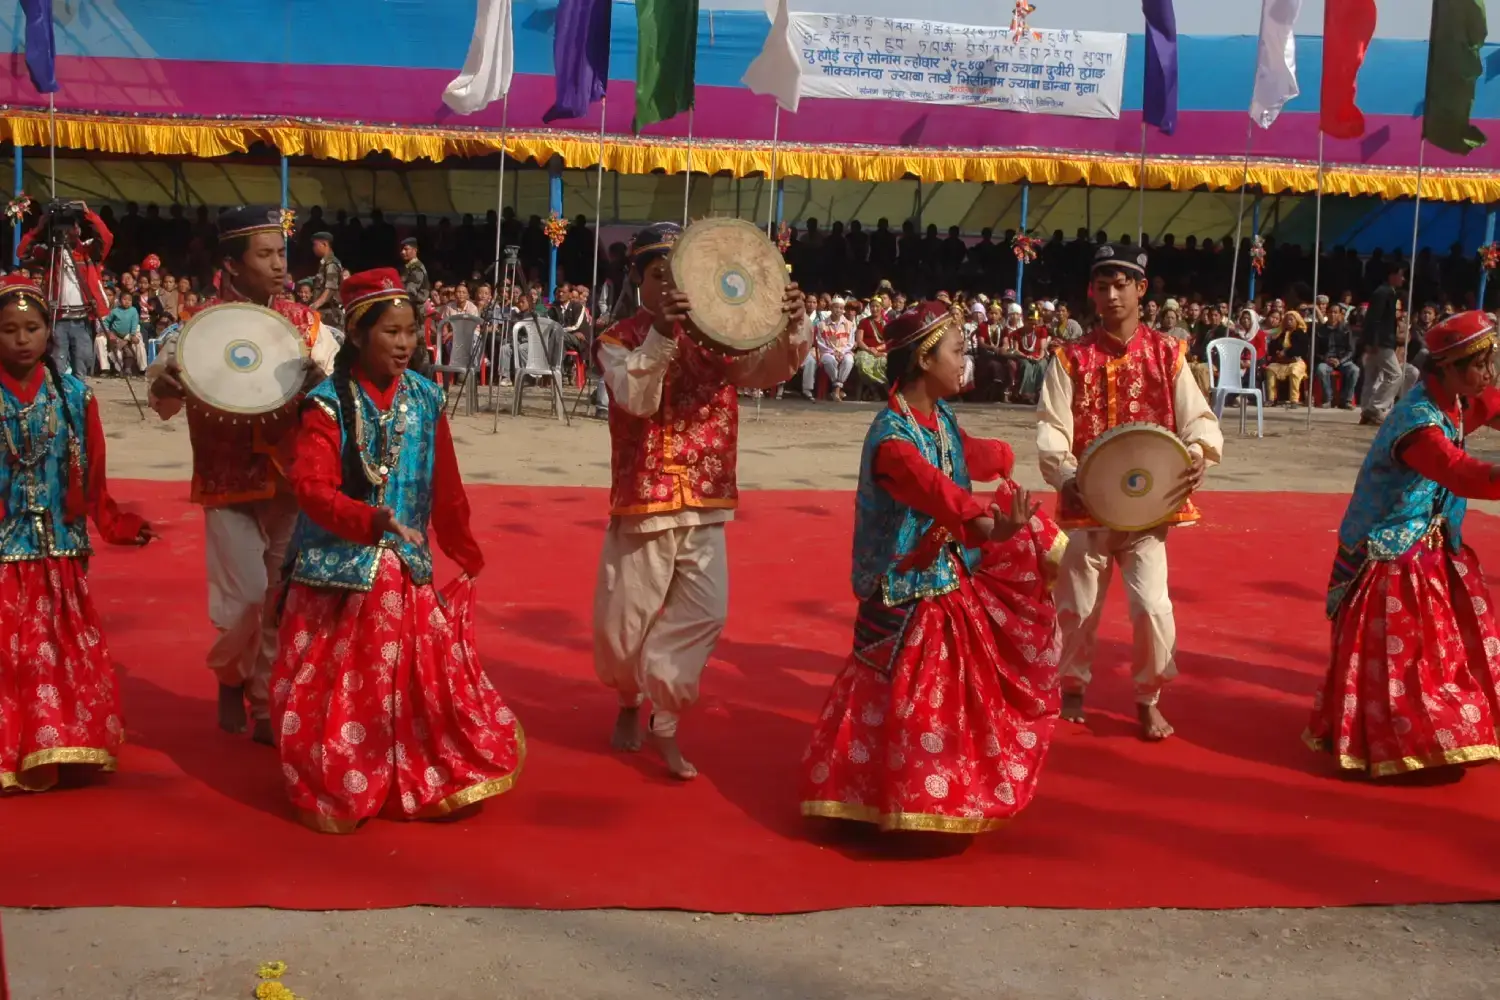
<point>663,588</point>
<point>1122,372</point>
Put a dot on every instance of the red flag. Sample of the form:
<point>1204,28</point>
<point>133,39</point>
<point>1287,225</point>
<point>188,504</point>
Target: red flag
<point>1348,26</point>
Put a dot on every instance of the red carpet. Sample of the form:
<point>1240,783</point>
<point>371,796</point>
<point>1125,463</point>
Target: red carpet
<point>1234,812</point>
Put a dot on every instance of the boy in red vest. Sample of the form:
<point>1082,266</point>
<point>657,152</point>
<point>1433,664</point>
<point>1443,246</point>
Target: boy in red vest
<point>663,590</point>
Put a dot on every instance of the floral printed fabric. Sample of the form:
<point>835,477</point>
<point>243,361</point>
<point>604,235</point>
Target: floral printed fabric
<point>59,698</point>
<point>954,739</point>
<point>381,703</point>
<point>1414,680</point>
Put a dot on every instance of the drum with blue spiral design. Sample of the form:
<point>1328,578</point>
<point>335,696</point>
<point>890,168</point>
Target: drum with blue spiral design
<point>1128,475</point>
<point>735,280</point>
<point>242,361</point>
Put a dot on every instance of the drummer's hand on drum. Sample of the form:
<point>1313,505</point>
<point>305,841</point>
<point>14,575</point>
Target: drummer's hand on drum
<point>385,519</point>
<point>1191,479</point>
<point>168,385</point>
<point>675,308</point>
<point>794,304</point>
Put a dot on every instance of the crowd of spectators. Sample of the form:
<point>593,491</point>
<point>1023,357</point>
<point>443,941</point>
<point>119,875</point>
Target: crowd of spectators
<point>155,270</point>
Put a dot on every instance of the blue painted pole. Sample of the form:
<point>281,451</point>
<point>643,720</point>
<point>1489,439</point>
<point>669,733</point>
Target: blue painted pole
<point>1254,232</point>
<point>1484,274</point>
<point>1021,264</point>
<point>554,204</point>
<point>780,203</point>
<point>20,189</point>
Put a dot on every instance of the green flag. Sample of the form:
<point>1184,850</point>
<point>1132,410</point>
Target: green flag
<point>1453,68</point>
<point>668,51</point>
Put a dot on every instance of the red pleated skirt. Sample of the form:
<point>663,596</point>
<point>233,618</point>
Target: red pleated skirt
<point>59,697</point>
<point>952,738</point>
<point>1414,680</point>
<point>383,706</point>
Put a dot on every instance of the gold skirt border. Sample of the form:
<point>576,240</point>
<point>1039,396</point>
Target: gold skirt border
<point>487,789</point>
<point>102,759</point>
<point>902,821</point>
<point>1405,765</point>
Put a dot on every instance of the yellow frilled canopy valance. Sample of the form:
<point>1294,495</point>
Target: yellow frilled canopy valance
<point>209,138</point>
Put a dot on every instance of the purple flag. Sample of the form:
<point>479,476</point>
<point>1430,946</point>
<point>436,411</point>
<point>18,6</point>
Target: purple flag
<point>580,52</point>
<point>1160,99</point>
<point>41,50</point>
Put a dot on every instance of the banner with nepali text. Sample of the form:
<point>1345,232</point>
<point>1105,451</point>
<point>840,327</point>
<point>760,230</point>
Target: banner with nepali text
<point>1079,74</point>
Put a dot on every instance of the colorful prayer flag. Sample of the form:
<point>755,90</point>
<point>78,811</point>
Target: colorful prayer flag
<point>490,63</point>
<point>1459,28</point>
<point>580,52</point>
<point>777,71</point>
<point>668,54</point>
<point>1276,64</point>
<point>1348,26</point>
<point>1160,98</point>
<point>41,48</point>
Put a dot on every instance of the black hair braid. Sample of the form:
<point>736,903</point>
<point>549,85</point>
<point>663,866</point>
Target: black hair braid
<point>355,483</point>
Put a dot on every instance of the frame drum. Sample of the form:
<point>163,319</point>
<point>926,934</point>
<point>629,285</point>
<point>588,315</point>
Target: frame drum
<point>736,280</point>
<point>242,361</point>
<point>1127,474</point>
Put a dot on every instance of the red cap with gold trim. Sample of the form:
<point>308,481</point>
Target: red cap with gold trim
<point>361,291</point>
<point>1460,336</point>
<point>29,292</point>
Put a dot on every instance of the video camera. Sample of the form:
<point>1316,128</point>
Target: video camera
<point>62,215</point>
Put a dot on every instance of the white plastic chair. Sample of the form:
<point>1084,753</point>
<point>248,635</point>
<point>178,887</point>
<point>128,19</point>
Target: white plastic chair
<point>1224,357</point>
<point>540,358</point>
<point>461,334</point>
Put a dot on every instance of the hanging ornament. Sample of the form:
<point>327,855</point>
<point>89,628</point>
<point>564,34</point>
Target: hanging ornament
<point>784,238</point>
<point>1489,256</point>
<point>1024,247</point>
<point>18,207</point>
<point>1020,31</point>
<point>1258,255</point>
<point>556,229</point>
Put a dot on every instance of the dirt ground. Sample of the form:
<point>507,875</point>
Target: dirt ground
<point>1451,952</point>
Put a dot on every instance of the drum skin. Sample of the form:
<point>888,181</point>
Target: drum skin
<point>1127,475</point>
<point>242,361</point>
<point>735,279</point>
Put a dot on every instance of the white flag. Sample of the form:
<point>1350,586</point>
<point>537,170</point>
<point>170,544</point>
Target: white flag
<point>1276,66</point>
<point>778,69</point>
<point>490,63</point>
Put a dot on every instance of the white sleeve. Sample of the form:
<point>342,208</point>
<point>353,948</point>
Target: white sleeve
<point>635,378</point>
<point>324,349</point>
<point>775,363</point>
<point>1054,427</point>
<point>1196,423</point>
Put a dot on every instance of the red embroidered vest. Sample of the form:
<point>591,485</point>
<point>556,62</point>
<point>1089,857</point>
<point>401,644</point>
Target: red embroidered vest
<point>238,462</point>
<point>684,454</point>
<point>1114,385</point>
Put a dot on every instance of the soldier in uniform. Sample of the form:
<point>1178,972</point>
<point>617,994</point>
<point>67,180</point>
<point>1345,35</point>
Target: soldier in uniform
<point>414,274</point>
<point>238,475</point>
<point>326,282</point>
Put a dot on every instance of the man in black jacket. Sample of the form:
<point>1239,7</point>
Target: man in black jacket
<point>1383,370</point>
<point>1338,356</point>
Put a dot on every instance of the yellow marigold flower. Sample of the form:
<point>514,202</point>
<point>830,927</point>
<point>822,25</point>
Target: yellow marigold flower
<point>273,991</point>
<point>271,970</point>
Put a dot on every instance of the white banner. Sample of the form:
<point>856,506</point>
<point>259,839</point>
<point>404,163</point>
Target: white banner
<point>1080,74</point>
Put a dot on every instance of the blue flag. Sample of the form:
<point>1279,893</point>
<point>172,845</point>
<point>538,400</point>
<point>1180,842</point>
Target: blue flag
<point>580,53</point>
<point>1159,105</point>
<point>41,50</point>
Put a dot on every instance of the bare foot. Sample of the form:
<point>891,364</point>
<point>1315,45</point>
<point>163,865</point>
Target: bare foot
<point>232,709</point>
<point>262,733</point>
<point>676,763</point>
<point>1072,707</point>
<point>1154,726</point>
<point>627,735</point>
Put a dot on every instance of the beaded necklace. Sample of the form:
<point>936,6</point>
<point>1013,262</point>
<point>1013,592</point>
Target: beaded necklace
<point>945,449</point>
<point>389,428</point>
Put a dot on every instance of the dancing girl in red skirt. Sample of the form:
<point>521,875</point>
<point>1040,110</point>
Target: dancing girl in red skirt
<point>942,715</point>
<point>378,692</point>
<point>59,698</point>
<point>1414,680</point>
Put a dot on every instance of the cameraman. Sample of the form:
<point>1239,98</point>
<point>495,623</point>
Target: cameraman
<point>56,246</point>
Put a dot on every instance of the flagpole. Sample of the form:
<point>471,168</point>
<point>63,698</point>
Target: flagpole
<point>1239,219</point>
<point>687,178</point>
<point>497,303</point>
<point>586,362</point>
<point>1411,265</point>
<point>52,135</point>
<point>771,187</point>
<point>1140,227</point>
<point>1312,343</point>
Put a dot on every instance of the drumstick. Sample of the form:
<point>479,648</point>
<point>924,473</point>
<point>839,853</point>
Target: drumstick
<point>134,398</point>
